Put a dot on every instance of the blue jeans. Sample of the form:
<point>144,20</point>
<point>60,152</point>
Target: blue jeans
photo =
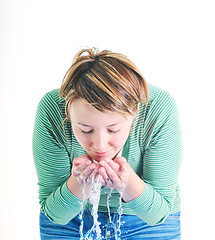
<point>132,227</point>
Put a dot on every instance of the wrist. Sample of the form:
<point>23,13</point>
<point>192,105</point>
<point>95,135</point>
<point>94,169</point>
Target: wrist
<point>134,188</point>
<point>77,188</point>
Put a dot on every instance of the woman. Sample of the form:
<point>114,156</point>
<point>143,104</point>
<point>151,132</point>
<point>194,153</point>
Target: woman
<point>105,125</point>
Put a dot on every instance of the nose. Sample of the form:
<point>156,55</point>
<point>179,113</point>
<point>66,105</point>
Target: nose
<point>100,142</point>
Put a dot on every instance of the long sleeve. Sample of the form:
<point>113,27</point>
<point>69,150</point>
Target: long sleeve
<point>52,160</point>
<point>161,162</point>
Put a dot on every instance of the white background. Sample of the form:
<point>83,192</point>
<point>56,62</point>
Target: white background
<point>171,42</point>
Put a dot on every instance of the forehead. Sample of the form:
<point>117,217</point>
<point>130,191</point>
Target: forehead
<point>82,112</point>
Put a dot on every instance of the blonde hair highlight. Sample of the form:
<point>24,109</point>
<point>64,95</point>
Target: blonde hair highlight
<point>106,80</point>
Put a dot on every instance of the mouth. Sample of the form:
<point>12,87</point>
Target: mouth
<point>100,154</point>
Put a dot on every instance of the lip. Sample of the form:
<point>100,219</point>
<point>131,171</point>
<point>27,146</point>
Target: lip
<point>100,154</point>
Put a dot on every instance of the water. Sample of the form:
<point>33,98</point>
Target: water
<point>94,200</point>
<point>108,205</point>
<point>82,211</point>
<point>120,212</point>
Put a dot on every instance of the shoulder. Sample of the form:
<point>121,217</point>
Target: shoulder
<point>52,97</point>
<point>160,100</point>
<point>50,117</point>
<point>51,109</point>
<point>159,95</point>
<point>159,116</point>
<point>160,107</point>
<point>52,103</point>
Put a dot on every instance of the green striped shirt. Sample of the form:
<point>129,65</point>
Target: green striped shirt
<point>153,150</point>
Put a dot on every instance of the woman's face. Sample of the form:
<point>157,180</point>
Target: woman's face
<point>102,135</point>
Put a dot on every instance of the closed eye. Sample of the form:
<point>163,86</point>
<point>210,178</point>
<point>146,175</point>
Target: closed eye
<point>110,131</point>
<point>87,132</point>
<point>114,132</point>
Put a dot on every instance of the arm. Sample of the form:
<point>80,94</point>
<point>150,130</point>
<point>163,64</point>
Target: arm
<point>161,162</point>
<point>53,165</point>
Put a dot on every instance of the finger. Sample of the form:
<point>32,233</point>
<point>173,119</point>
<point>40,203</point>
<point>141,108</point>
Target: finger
<point>101,180</point>
<point>79,164</point>
<point>120,179</point>
<point>120,160</point>
<point>75,172</point>
<point>115,166</point>
<point>82,166</point>
<point>84,158</point>
<point>111,174</point>
<point>123,167</point>
<point>106,181</point>
<point>83,177</point>
<point>103,173</point>
<point>111,163</point>
<point>122,163</point>
<point>87,171</point>
<point>92,177</point>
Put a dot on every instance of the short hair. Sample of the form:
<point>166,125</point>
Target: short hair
<point>106,80</point>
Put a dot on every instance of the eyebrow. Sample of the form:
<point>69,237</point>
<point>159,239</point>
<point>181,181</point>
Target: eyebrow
<point>86,125</point>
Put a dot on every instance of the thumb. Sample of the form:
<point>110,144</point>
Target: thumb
<point>120,160</point>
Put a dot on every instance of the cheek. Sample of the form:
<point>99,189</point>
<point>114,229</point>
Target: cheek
<point>119,140</point>
<point>124,135</point>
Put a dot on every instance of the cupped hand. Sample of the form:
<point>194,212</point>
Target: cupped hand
<point>84,169</point>
<point>115,173</point>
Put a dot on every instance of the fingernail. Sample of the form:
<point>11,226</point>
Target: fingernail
<point>88,163</point>
<point>92,166</point>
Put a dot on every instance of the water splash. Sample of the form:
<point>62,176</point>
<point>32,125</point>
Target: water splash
<point>95,231</point>
<point>82,211</point>
<point>108,205</point>
<point>94,200</point>
<point>120,211</point>
<point>109,215</point>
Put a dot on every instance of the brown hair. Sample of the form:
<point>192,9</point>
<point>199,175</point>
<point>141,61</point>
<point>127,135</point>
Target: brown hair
<point>106,80</point>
